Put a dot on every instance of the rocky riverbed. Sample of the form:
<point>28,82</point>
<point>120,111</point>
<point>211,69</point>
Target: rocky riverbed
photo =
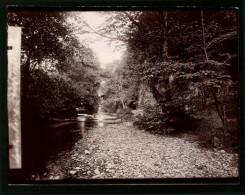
<point>122,151</point>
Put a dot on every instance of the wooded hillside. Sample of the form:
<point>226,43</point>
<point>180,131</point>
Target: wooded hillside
<point>184,65</point>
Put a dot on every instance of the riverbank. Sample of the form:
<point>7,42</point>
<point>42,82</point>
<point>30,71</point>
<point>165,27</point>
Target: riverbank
<point>121,151</point>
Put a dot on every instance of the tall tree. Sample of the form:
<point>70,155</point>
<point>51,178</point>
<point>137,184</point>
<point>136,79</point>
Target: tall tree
<point>159,40</point>
<point>53,56</point>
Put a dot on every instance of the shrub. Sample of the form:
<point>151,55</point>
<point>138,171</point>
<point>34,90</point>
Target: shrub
<point>125,114</point>
<point>210,132</point>
<point>110,106</point>
<point>154,120</point>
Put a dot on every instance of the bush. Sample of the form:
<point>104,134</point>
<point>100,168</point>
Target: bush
<point>157,121</point>
<point>110,106</point>
<point>211,134</point>
<point>125,114</point>
<point>154,120</point>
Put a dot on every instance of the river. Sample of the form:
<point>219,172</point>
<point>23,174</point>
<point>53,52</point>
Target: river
<point>44,142</point>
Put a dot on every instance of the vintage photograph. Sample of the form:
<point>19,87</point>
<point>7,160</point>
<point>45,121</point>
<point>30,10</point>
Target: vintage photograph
<point>123,94</point>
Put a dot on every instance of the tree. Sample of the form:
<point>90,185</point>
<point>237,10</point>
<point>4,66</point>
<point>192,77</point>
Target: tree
<point>58,72</point>
<point>163,45</point>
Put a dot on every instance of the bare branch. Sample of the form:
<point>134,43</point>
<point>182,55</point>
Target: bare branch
<point>132,20</point>
<point>98,33</point>
<point>222,38</point>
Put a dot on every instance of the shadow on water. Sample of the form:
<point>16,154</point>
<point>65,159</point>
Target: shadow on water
<point>43,142</point>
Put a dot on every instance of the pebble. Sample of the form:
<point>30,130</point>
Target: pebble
<point>56,177</point>
<point>72,172</point>
<point>87,152</point>
<point>95,176</point>
<point>157,164</point>
<point>96,171</point>
<point>125,152</point>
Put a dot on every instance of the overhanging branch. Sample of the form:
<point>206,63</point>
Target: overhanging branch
<point>98,33</point>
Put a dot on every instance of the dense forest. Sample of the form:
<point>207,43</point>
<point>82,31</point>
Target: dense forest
<point>59,74</point>
<point>179,72</point>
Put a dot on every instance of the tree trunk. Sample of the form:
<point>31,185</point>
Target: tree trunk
<point>146,55</point>
<point>25,88</point>
<point>120,90</point>
<point>26,78</point>
<point>141,95</point>
<point>221,112</point>
<point>203,36</point>
<point>165,43</point>
<point>123,104</point>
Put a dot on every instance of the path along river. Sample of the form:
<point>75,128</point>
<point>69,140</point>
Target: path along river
<point>97,150</point>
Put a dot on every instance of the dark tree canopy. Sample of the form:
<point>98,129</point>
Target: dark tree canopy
<point>58,72</point>
<point>188,59</point>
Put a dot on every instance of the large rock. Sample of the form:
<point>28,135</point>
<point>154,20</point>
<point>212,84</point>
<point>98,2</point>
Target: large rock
<point>145,97</point>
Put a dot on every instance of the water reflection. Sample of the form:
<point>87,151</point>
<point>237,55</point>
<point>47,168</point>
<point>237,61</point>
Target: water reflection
<point>100,118</point>
<point>45,142</point>
<point>81,127</point>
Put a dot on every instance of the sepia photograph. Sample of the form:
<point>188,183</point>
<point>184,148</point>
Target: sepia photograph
<point>122,94</point>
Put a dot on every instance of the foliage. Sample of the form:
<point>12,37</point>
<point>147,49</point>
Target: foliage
<point>58,72</point>
<point>39,41</point>
<point>210,132</point>
<point>120,89</point>
<point>61,101</point>
<point>186,59</point>
<point>125,114</point>
<point>153,120</point>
